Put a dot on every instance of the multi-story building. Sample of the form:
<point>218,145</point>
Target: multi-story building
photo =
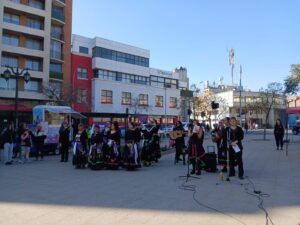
<point>34,34</point>
<point>123,81</point>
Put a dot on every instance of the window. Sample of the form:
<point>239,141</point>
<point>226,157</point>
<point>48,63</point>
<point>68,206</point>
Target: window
<point>10,39</point>
<point>57,32</point>
<point>9,84</point>
<point>141,80</point>
<point>143,99</point>
<point>159,101</point>
<point>120,56</point>
<point>34,44</point>
<point>173,102</point>
<point>106,97</point>
<point>56,67</point>
<point>11,18</point>
<point>171,83</point>
<point>34,23</point>
<point>157,81</point>
<point>36,4</point>
<point>55,88</point>
<point>83,50</point>
<point>82,95</point>
<point>9,61</point>
<point>82,73</point>
<point>56,49</point>
<point>126,98</point>
<point>32,85</point>
<point>33,64</point>
<point>107,75</point>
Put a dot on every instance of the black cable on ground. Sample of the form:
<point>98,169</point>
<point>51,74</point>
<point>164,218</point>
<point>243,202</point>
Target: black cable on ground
<point>193,188</point>
<point>259,195</point>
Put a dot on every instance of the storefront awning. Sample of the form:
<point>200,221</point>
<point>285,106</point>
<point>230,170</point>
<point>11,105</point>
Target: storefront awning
<point>67,110</point>
<point>293,110</point>
<point>21,108</point>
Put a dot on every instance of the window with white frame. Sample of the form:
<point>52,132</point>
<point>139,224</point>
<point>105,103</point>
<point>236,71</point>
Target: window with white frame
<point>159,101</point>
<point>173,102</point>
<point>143,99</point>
<point>106,97</point>
<point>82,73</point>
<point>82,95</point>
<point>126,98</point>
<point>9,84</point>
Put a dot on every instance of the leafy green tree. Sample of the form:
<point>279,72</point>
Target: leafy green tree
<point>292,83</point>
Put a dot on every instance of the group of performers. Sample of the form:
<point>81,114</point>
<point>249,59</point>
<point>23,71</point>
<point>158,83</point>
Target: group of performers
<point>103,148</point>
<point>228,137</point>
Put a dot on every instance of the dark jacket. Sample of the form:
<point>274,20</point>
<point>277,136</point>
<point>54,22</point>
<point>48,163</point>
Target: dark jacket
<point>278,130</point>
<point>8,136</point>
<point>236,135</point>
<point>64,136</point>
<point>39,138</point>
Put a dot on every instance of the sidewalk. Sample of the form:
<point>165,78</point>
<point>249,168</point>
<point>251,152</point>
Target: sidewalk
<point>49,192</point>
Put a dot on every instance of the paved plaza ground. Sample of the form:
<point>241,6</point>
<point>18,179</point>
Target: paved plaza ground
<point>50,192</point>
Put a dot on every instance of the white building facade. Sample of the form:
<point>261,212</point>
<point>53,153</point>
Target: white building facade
<point>123,81</point>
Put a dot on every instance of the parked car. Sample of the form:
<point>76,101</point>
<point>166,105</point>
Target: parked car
<point>296,128</point>
<point>166,129</point>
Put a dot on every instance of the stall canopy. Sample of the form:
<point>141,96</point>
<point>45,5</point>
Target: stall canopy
<point>293,110</point>
<point>65,109</point>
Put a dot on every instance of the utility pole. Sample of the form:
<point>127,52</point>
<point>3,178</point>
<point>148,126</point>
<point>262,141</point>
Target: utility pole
<point>241,96</point>
<point>231,62</point>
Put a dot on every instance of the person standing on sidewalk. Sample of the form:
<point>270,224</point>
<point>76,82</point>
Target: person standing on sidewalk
<point>179,141</point>
<point>279,133</point>
<point>26,144</point>
<point>64,141</point>
<point>38,140</point>
<point>8,136</point>
<point>235,135</point>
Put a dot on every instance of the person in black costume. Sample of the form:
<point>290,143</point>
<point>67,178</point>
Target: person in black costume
<point>80,148</point>
<point>38,140</point>
<point>217,137</point>
<point>196,150</point>
<point>64,141</point>
<point>236,135</point>
<point>279,134</point>
<point>155,141</point>
<point>96,154</point>
<point>113,153</point>
<point>131,154</point>
<point>147,155</point>
<point>179,142</point>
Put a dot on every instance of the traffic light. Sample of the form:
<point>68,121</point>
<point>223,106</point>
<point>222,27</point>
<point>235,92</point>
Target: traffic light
<point>214,105</point>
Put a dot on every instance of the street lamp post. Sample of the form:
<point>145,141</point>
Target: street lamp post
<point>6,75</point>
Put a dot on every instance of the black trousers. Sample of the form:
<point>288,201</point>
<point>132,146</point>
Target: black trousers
<point>64,152</point>
<point>235,158</point>
<point>279,140</point>
<point>39,151</point>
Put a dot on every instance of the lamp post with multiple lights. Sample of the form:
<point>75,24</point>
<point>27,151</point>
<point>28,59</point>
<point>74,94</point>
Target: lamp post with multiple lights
<point>12,72</point>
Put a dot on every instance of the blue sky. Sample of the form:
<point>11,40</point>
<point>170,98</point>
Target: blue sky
<point>198,34</point>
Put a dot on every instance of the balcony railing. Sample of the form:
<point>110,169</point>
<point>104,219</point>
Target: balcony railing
<point>56,55</point>
<point>58,15</point>
<point>57,35</point>
<point>56,75</point>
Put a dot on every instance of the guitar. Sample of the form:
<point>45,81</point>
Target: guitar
<point>176,134</point>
